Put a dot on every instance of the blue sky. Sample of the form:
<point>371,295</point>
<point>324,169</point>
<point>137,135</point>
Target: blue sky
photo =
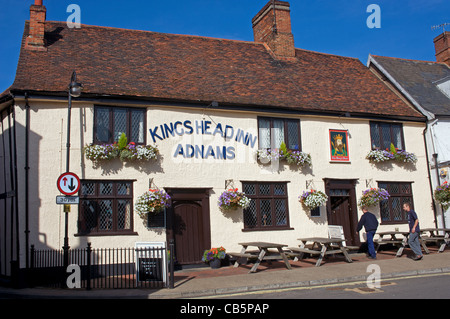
<point>329,26</point>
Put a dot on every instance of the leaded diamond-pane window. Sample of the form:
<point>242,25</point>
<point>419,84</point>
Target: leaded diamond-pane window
<point>111,122</point>
<point>268,206</point>
<point>384,134</point>
<point>102,132</point>
<point>250,215</point>
<point>274,131</point>
<point>391,210</point>
<point>120,123</point>
<point>105,207</point>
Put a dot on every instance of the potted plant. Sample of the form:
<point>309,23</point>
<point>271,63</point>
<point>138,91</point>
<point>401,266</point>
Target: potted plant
<point>152,201</point>
<point>442,195</point>
<point>232,199</point>
<point>313,199</point>
<point>373,196</point>
<point>214,257</point>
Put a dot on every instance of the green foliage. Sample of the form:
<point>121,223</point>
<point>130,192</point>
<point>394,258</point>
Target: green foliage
<point>123,141</point>
<point>283,148</point>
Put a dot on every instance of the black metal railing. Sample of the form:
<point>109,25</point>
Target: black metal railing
<point>149,267</point>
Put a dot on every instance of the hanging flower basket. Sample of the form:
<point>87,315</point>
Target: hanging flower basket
<point>442,195</point>
<point>313,199</point>
<point>373,196</point>
<point>233,199</point>
<point>393,154</point>
<point>152,201</point>
<point>122,149</point>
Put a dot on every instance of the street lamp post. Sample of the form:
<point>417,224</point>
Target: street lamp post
<point>75,89</point>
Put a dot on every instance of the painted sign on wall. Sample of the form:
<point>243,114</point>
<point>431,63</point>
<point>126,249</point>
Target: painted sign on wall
<point>203,128</point>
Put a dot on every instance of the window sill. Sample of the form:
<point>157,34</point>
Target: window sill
<point>266,229</point>
<point>130,233</point>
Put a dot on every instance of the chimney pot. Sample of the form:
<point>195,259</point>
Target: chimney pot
<point>38,2</point>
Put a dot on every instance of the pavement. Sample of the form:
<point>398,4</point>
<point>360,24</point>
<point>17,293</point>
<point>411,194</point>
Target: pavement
<point>205,282</point>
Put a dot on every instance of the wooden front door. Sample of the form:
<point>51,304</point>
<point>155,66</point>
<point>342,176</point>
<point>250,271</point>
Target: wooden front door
<point>190,224</point>
<point>342,208</point>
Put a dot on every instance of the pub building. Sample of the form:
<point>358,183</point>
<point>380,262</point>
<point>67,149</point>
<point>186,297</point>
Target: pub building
<point>207,107</point>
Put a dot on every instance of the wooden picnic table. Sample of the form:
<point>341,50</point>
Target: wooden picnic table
<point>263,253</point>
<point>393,239</point>
<point>433,236</point>
<point>321,246</point>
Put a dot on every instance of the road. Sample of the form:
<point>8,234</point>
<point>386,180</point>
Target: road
<point>431,286</point>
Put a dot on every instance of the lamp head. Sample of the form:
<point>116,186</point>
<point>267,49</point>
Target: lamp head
<point>75,87</point>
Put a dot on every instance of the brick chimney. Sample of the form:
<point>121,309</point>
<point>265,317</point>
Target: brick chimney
<point>442,47</point>
<point>35,39</point>
<point>272,25</point>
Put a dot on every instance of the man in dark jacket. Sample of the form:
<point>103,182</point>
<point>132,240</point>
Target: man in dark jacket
<point>370,223</point>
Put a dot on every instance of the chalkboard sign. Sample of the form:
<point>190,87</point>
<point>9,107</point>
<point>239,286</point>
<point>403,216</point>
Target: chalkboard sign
<point>150,269</point>
<point>151,261</point>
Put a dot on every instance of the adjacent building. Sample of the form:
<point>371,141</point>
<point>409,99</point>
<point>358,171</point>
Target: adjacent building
<point>426,86</point>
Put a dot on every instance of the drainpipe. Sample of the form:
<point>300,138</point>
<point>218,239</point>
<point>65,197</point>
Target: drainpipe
<point>429,175</point>
<point>436,164</point>
<point>27,170</point>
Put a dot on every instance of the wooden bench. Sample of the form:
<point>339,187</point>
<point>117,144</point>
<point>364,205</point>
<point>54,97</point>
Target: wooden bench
<point>387,241</point>
<point>298,250</point>
<point>432,239</point>
<point>243,255</point>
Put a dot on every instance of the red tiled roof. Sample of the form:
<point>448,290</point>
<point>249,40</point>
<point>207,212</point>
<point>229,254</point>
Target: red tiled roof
<point>119,62</point>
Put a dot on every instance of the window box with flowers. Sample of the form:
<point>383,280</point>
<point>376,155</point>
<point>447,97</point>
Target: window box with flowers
<point>232,199</point>
<point>127,152</point>
<point>442,195</point>
<point>298,158</point>
<point>151,202</point>
<point>373,196</point>
<point>265,156</point>
<point>313,199</point>
<point>394,154</point>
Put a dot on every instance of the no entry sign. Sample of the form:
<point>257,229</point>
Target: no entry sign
<point>68,184</point>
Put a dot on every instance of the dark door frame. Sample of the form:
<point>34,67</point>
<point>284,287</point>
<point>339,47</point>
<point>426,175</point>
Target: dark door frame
<point>197,195</point>
<point>346,184</point>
